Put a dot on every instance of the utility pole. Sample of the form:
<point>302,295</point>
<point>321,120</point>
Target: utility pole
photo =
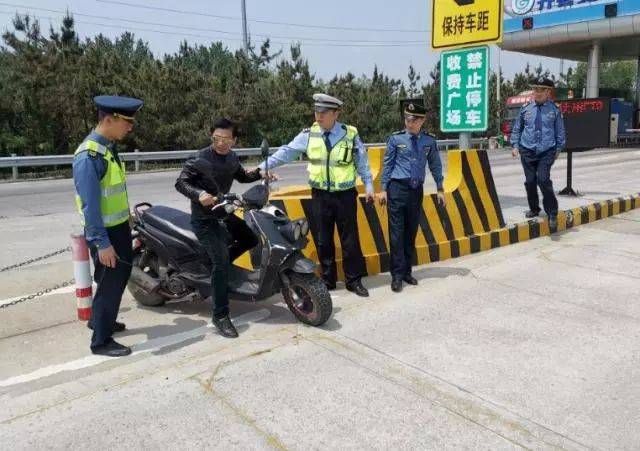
<point>498,87</point>
<point>245,38</point>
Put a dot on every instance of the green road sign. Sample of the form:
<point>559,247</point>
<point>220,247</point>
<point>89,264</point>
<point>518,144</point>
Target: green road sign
<point>464,90</point>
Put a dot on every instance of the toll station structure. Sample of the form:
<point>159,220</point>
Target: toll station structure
<point>579,30</point>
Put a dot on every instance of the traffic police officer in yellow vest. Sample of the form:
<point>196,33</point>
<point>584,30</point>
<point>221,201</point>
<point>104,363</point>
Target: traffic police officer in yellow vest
<point>101,199</point>
<point>336,155</point>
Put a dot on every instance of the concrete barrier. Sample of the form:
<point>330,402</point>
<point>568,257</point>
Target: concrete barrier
<point>472,208</point>
<point>471,221</point>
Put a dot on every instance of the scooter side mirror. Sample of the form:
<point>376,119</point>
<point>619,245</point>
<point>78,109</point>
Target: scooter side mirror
<point>264,147</point>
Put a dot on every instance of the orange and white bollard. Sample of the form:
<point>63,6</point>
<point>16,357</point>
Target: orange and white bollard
<point>82,273</point>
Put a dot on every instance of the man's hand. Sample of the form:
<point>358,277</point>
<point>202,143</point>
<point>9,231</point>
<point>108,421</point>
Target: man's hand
<point>382,198</point>
<point>370,197</point>
<point>441,199</point>
<point>206,199</point>
<point>514,152</point>
<point>270,176</point>
<point>108,257</point>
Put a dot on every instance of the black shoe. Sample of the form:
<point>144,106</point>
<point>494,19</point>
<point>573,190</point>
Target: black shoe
<point>553,223</point>
<point>396,286</point>
<point>117,327</point>
<point>225,327</point>
<point>112,349</point>
<point>531,213</point>
<point>358,289</point>
<point>330,286</point>
<point>410,280</point>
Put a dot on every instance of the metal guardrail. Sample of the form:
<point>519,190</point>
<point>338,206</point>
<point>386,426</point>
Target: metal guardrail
<point>16,162</point>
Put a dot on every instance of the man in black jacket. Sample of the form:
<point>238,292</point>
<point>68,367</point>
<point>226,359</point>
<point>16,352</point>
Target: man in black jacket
<point>203,184</point>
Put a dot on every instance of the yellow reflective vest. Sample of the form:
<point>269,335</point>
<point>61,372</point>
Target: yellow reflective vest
<point>114,204</point>
<point>333,170</point>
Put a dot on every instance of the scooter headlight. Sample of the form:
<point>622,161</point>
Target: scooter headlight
<point>304,227</point>
<point>291,231</point>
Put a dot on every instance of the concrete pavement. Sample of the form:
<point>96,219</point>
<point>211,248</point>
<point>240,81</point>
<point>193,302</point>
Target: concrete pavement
<point>534,345</point>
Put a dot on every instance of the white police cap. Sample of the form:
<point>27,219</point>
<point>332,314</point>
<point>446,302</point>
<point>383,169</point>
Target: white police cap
<point>324,102</point>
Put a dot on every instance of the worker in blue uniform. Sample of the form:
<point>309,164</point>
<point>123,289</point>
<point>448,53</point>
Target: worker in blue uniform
<point>538,136</point>
<point>101,200</point>
<point>408,153</point>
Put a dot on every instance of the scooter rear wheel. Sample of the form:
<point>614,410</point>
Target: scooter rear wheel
<point>308,299</point>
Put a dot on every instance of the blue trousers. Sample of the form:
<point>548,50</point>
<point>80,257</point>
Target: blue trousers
<point>537,172</point>
<point>111,284</point>
<point>403,206</point>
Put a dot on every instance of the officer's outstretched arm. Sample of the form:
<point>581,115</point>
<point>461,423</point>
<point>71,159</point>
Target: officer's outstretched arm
<point>289,152</point>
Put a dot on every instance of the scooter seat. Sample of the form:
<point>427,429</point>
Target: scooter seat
<point>174,222</point>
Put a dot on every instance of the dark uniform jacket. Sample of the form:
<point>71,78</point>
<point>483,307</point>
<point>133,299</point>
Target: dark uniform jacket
<point>214,173</point>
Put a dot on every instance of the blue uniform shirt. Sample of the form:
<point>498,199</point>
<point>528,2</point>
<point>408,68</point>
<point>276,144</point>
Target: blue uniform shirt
<point>88,170</point>
<point>401,162</point>
<point>298,146</point>
<point>547,133</point>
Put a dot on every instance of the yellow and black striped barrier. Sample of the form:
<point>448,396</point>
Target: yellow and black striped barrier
<point>470,222</point>
<point>472,209</point>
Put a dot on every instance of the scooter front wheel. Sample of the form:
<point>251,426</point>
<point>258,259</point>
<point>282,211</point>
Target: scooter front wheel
<point>308,298</point>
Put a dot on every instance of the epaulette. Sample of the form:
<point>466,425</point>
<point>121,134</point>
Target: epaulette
<point>399,132</point>
<point>306,130</point>
<point>429,134</point>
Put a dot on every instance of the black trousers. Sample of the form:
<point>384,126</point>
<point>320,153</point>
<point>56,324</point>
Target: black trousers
<point>331,209</point>
<point>403,206</point>
<point>537,172</point>
<point>224,242</point>
<point>111,284</point>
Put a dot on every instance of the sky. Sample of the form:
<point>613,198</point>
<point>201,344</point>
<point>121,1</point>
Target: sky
<point>336,36</point>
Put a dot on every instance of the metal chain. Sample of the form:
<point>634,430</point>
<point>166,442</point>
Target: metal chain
<point>38,294</point>
<point>37,259</point>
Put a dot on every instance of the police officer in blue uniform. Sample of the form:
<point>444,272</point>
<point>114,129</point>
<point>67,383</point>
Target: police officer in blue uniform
<point>538,136</point>
<point>403,174</point>
<point>101,198</point>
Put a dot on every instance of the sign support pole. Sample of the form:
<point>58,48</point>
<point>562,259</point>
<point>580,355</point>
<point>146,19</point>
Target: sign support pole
<point>568,190</point>
<point>465,141</point>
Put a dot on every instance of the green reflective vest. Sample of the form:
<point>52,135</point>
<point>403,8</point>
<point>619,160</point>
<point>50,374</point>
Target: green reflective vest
<point>114,204</point>
<point>332,170</point>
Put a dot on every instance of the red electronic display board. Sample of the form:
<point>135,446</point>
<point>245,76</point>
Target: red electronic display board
<point>586,122</point>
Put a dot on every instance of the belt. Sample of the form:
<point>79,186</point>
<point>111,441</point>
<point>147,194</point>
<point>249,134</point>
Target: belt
<point>407,183</point>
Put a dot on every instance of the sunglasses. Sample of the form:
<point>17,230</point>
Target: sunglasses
<point>223,139</point>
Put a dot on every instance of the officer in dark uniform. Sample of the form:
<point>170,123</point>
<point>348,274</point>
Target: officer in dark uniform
<point>403,174</point>
<point>538,136</point>
<point>203,186</point>
<point>101,199</point>
<point>336,157</point>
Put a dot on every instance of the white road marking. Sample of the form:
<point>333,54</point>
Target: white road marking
<point>140,348</point>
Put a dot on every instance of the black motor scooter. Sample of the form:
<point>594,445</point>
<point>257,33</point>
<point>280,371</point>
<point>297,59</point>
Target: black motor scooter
<point>169,262</point>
